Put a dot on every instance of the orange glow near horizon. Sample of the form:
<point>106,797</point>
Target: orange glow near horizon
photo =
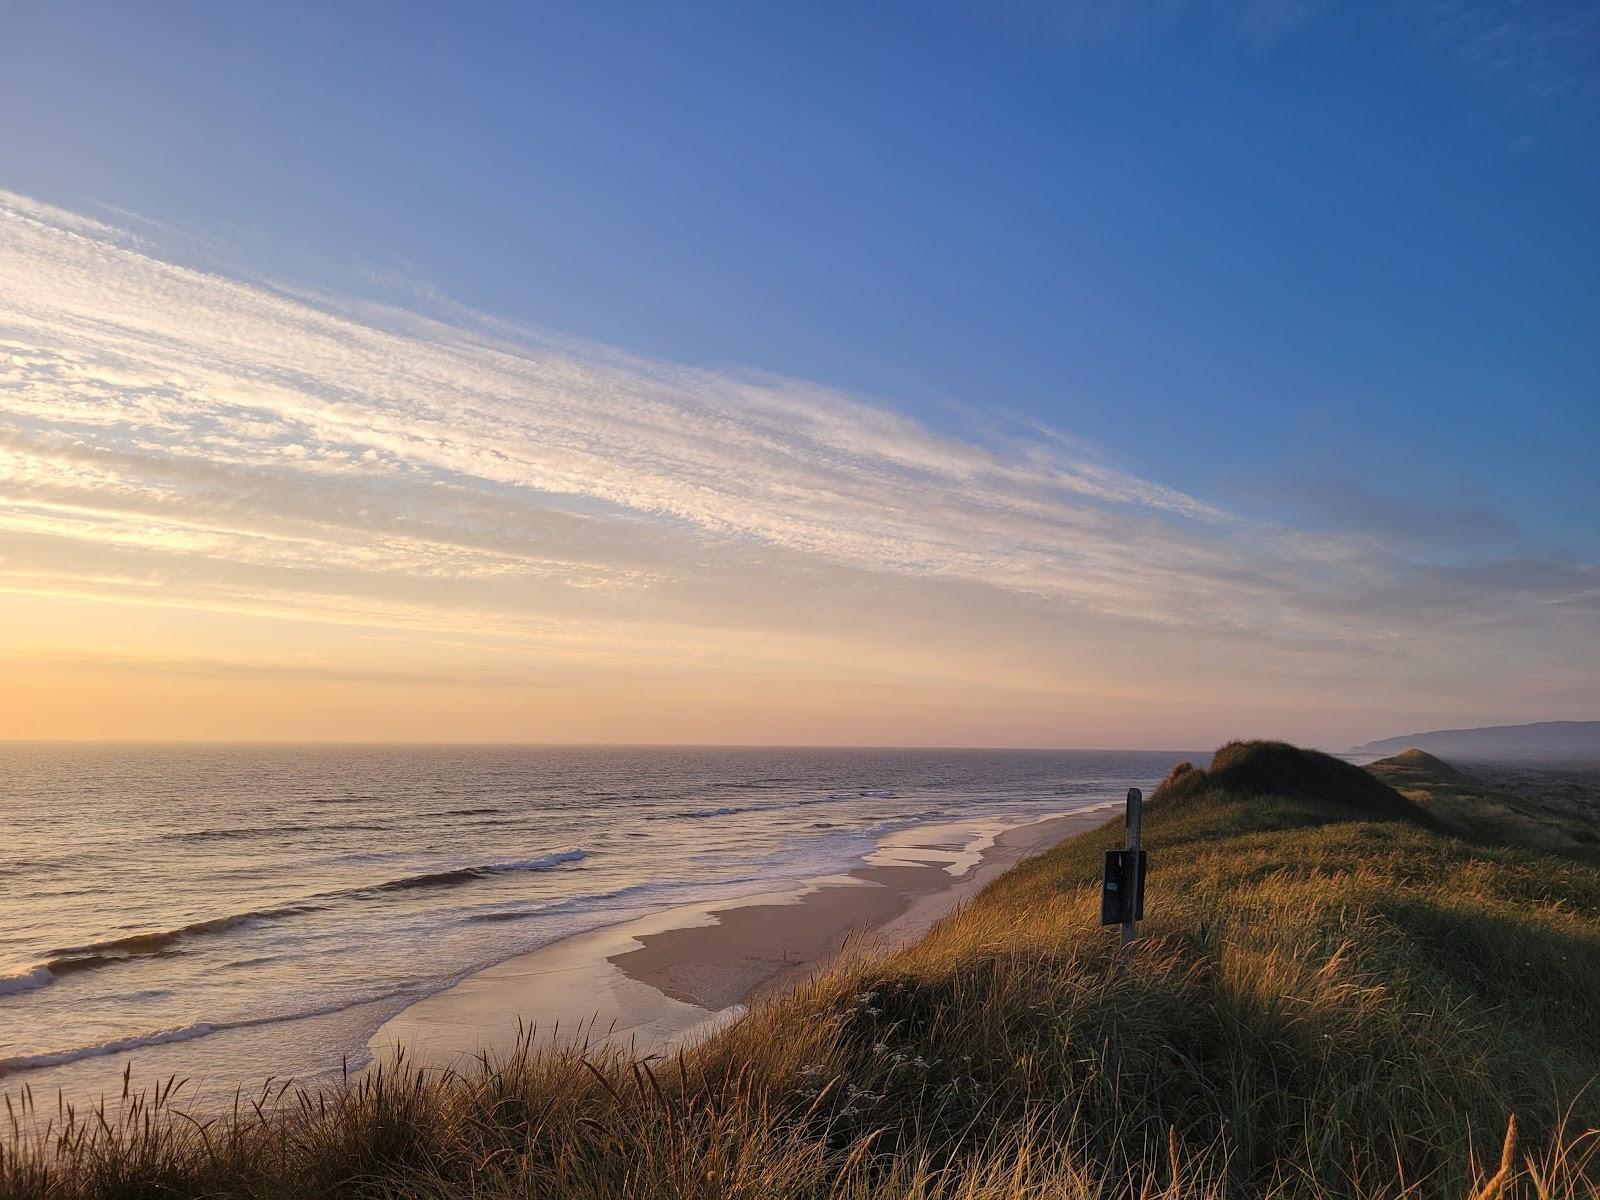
<point>233,514</point>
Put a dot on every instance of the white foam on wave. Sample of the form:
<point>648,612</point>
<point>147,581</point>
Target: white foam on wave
<point>905,821</point>
<point>540,863</point>
<point>184,1033</point>
<point>698,814</point>
<point>455,875</point>
<point>27,1062</point>
<point>26,980</point>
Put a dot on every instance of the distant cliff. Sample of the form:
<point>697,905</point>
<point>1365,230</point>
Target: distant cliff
<point>1570,742</point>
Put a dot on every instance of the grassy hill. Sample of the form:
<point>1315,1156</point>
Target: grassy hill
<point>1417,763</point>
<point>1333,996</point>
<point>1550,809</point>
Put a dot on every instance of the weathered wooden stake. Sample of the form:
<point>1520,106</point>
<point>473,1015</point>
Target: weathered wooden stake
<point>1130,871</point>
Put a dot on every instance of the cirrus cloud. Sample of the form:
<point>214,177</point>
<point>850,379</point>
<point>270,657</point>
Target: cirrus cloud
<point>182,438</point>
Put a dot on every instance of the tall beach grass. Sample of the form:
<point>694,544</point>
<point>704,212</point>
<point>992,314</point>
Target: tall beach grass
<point>1332,996</point>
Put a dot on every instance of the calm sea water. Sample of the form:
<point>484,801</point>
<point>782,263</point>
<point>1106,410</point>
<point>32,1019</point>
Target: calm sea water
<point>230,912</point>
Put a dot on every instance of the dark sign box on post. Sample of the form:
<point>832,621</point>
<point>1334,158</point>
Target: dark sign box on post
<point>1112,893</point>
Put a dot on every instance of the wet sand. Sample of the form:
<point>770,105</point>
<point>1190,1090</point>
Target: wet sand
<point>654,983</point>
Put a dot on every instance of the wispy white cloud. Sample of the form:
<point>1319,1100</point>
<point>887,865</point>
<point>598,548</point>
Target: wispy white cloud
<point>176,436</point>
<point>137,386</point>
<point>1540,52</point>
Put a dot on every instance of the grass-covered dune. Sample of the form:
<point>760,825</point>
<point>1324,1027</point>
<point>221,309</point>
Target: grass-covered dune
<point>1332,996</point>
<point>1555,810</point>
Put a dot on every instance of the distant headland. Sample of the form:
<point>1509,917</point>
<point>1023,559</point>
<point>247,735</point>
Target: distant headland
<point>1574,742</point>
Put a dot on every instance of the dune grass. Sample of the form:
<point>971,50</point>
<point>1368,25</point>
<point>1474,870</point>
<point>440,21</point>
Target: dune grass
<point>1332,997</point>
<point>1552,810</point>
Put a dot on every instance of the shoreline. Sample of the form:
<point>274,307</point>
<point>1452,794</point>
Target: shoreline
<point>655,983</point>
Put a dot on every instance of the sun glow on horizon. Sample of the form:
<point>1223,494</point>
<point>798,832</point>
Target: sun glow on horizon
<point>230,511</point>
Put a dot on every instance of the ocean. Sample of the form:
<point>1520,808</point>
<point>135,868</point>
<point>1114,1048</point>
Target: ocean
<point>232,913</point>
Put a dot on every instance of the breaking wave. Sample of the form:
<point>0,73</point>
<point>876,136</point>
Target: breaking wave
<point>699,813</point>
<point>467,874</point>
<point>728,810</point>
<point>71,959</point>
<point>183,1033</point>
<point>25,980</point>
<point>139,945</point>
<point>25,1062</point>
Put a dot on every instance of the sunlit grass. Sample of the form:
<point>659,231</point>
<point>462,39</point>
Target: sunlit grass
<point>1331,998</point>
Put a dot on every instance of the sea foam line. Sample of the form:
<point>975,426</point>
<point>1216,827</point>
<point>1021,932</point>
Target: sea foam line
<point>731,810</point>
<point>464,874</point>
<point>182,1033</point>
<point>111,951</point>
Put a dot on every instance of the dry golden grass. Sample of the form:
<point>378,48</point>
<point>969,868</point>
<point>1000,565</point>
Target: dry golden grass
<point>1332,998</point>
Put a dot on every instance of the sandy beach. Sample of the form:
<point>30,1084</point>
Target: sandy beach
<point>652,984</point>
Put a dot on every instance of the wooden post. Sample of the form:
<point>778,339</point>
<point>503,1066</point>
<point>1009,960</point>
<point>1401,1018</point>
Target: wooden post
<point>1130,871</point>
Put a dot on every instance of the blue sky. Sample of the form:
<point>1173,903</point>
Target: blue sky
<point>1235,244</point>
<point>1334,268</point>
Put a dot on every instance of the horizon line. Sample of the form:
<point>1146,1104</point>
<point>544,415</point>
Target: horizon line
<point>537,745</point>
